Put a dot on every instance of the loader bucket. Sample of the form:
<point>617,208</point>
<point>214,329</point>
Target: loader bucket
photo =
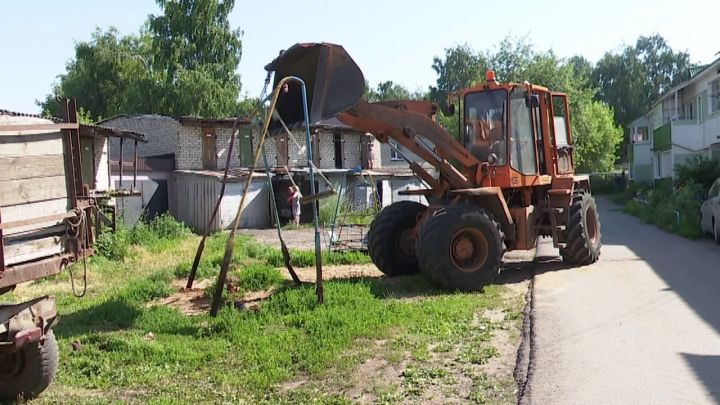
<point>333,81</point>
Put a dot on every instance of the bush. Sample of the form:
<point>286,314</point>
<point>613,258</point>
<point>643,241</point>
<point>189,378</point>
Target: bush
<point>113,245</point>
<point>608,183</point>
<point>676,211</point>
<point>116,245</point>
<point>162,227</point>
<point>700,170</point>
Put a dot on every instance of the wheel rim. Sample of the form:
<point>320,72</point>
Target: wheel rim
<point>469,250</point>
<point>404,243</point>
<point>11,364</point>
<point>591,220</point>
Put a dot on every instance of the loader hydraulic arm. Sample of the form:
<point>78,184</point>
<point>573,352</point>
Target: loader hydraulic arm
<point>407,123</point>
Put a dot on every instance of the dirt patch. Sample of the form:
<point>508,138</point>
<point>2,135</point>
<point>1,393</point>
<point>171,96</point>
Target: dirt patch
<point>195,301</point>
<point>307,274</point>
<point>301,238</point>
<point>345,237</point>
<point>191,301</point>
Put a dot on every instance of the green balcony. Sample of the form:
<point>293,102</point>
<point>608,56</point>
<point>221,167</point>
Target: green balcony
<point>662,138</point>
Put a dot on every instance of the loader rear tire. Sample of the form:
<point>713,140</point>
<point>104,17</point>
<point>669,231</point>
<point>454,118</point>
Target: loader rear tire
<point>28,372</point>
<point>390,242</point>
<point>582,231</point>
<point>460,247</point>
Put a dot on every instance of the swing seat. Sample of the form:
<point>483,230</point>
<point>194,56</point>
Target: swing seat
<point>317,196</point>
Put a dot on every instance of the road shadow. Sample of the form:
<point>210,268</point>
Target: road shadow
<point>691,269</point>
<point>514,272</point>
<point>707,369</point>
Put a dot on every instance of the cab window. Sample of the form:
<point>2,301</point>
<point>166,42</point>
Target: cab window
<point>522,139</point>
<point>484,129</point>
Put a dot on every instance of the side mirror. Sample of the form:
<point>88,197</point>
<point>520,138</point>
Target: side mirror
<point>492,159</point>
<point>448,109</point>
<point>532,101</point>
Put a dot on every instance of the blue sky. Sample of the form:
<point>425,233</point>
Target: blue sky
<point>390,40</point>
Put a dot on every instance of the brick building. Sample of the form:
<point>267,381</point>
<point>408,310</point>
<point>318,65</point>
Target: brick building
<point>183,155</point>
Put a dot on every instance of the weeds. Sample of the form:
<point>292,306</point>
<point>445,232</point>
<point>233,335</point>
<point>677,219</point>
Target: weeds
<point>154,235</point>
<point>258,277</point>
<point>677,211</point>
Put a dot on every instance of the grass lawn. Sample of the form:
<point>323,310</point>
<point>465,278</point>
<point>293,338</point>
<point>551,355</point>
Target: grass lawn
<point>115,348</point>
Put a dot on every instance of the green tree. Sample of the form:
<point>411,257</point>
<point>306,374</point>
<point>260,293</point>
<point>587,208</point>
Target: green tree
<point>596,136</point>
<point>183,63</point>
<point>631,80</point>
<point>388,90</point>
<point>460,68</point>
<point>108,76</point>
<point>198,53</point>
<point>582,67</point>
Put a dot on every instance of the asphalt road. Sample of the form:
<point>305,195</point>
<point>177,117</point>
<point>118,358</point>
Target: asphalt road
<point>640,326</point>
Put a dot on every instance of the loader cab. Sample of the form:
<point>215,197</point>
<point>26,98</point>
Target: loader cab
<point>521,126</point>
<point>501,122</point>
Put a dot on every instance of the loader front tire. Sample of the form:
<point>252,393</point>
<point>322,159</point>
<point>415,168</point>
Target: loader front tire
<point>460,247</point>
<point>390,241</point>
<point>582,231</point>
<point>28,372</point>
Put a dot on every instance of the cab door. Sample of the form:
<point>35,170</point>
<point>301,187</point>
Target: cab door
<point>560,127</point>
<point>523,156</point>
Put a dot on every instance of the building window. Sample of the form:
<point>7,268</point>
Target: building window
<point>393,153</point>
<point>715,96</point>
<point>640,134</point>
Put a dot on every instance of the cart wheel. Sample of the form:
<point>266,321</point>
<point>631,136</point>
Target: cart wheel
<point>28,372</point>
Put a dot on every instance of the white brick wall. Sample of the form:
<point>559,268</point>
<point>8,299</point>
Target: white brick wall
<point>189,151</point>
<point>101,163</point>
<point>270,150</point>
<point>351,150</point>
<point>189,156</point>
<point>297,154</point>
<point>297,149</point>
<point>327,150</point>
<point>388,162</point>
<point>161,133</point>
<point>166,135</point>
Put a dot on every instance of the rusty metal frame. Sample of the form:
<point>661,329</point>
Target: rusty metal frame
<point>19,273</point>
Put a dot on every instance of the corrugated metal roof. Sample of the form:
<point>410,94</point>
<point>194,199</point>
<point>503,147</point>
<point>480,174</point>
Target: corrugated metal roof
<point>202,121</point>
<point>185,120</point>
<point>19,114</point>
<point>94,130</point>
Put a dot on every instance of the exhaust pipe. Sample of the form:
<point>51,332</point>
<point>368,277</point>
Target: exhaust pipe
<point>333,81</point>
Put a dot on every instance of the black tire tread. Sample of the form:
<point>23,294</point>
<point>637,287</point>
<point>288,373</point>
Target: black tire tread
<point>385,226</point>
<point>578,249</point>
<point>435,265</point>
